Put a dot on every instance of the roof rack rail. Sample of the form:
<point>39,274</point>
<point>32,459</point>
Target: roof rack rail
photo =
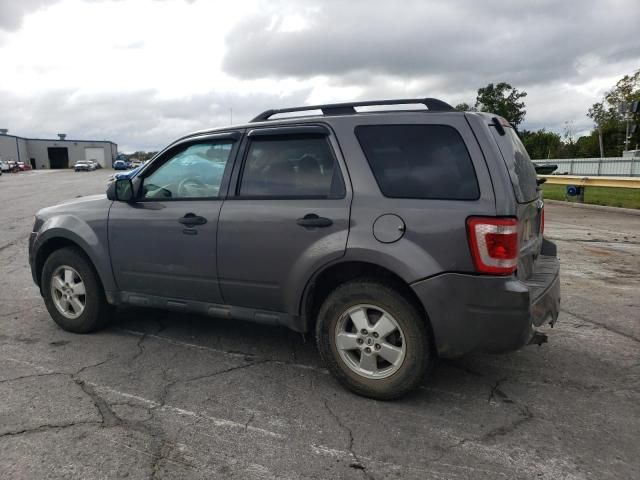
<point>432,104</point>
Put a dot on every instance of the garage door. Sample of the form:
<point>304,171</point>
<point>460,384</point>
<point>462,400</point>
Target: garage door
<point>96,154</point>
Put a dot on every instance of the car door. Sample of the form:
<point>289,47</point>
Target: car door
<point>164,243</point>
<point>286,216</point>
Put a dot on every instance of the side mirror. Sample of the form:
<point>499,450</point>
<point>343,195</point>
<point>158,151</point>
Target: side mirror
<point>120,190</point>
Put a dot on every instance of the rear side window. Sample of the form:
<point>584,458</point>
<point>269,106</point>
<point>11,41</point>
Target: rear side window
<point>419,161</point>
<point>519,165</point>
<point>291,166</point>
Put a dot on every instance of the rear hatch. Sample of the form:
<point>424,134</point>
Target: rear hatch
<point>528,197</point>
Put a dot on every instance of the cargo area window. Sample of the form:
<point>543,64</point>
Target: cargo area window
<point>521,169</point>
<point>419,161</point>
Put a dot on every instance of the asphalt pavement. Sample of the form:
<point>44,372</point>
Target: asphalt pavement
<point>167,395</point>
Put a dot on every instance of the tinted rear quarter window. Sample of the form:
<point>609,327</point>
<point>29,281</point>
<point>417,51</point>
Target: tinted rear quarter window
<point>419,161</point>
<point>519,165</point>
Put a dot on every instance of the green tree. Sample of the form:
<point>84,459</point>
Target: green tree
<point>464,107</point>
<point>504,100</point>
<point>587,146</point>
<point>609,115</point>
<point>541,143</point>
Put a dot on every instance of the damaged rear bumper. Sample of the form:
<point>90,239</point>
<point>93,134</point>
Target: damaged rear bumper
<point>487,313</point>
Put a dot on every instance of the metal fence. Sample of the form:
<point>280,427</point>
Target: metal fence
<point>611,166</point>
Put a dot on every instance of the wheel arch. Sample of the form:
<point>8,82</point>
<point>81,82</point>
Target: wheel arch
<point>56,239</point>
<point>325,280</point>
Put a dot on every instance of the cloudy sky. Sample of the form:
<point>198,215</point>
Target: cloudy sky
<point>143,72</point>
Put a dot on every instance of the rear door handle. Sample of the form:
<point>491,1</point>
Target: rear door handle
<point>191,219</point>
<point>313,220</point>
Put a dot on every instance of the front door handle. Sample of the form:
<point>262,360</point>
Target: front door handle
<point>191,219</point>
<point>313,220</point>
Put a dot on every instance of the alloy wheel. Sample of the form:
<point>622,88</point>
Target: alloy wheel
<point>370,341</point>
<point>68,292</point>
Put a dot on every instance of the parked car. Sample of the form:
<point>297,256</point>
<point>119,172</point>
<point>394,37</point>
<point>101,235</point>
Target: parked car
<point>23,167</point>
<point>394,237</point>
<point>121,165</point>
<point>128,174</point>
<point>4,167</point>
<point>13,166</point>
<point>84,166</point>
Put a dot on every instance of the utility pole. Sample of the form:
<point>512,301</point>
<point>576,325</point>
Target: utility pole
<point>626,135</point>
<point>629,110</point>
<point>600,142</point>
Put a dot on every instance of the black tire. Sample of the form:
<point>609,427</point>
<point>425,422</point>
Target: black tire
<point>97,311</point>
<point>418,354</point>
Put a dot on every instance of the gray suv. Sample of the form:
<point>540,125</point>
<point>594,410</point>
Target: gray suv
<point>396,236</point>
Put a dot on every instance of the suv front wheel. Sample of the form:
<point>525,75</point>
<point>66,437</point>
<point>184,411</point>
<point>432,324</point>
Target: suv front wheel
<point>73,293</point>
<point>373,340</point>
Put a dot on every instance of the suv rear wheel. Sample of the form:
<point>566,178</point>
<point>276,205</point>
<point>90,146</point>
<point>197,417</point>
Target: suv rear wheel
<point>373,340</point>
<point>72,292</point>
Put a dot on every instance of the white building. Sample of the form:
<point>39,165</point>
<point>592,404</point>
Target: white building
<point>55,153</point>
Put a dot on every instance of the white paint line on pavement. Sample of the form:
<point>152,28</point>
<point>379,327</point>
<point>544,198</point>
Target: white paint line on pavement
<point>218,422</point>
<point>427,473</point>
<point>30,364</point>
<point>223,352</point>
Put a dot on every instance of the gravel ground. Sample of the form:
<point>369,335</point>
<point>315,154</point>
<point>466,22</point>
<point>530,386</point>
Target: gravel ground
<point>165,395</point>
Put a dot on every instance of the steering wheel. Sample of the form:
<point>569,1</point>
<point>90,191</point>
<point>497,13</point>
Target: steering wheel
<point>187,184</point>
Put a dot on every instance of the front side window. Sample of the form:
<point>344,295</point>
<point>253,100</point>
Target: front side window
<point>293,166</point>
<point>419,161</point>
<point>194,172</point>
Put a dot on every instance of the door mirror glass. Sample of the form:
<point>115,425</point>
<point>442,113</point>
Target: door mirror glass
<point>123,190</point>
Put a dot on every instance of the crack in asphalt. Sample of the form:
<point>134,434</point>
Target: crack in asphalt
<point>164,448</point>
<point>525,414</point>
<point>247,356</point>
<point>525,417</point>
<point>160,454</point>
<point>145,334</point>
<point>109,418</point>
<point>446,450</point>
<point>248,422</point>
<point>230,369</point>
<point>8,314</point>
<point>602,325</point>
<point>93,365</point>
<point>357,464</point>
<point>48,374</point>
<point>497,392</point>
<point>49,426</point>
<point>14,242</point>
<point>593,240</point>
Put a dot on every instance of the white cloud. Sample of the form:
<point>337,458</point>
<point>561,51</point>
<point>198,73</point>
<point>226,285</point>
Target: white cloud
<point>142,72</point>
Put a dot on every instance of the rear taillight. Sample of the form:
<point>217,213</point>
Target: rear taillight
<point>494,244</point>
<point>542,220</point>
